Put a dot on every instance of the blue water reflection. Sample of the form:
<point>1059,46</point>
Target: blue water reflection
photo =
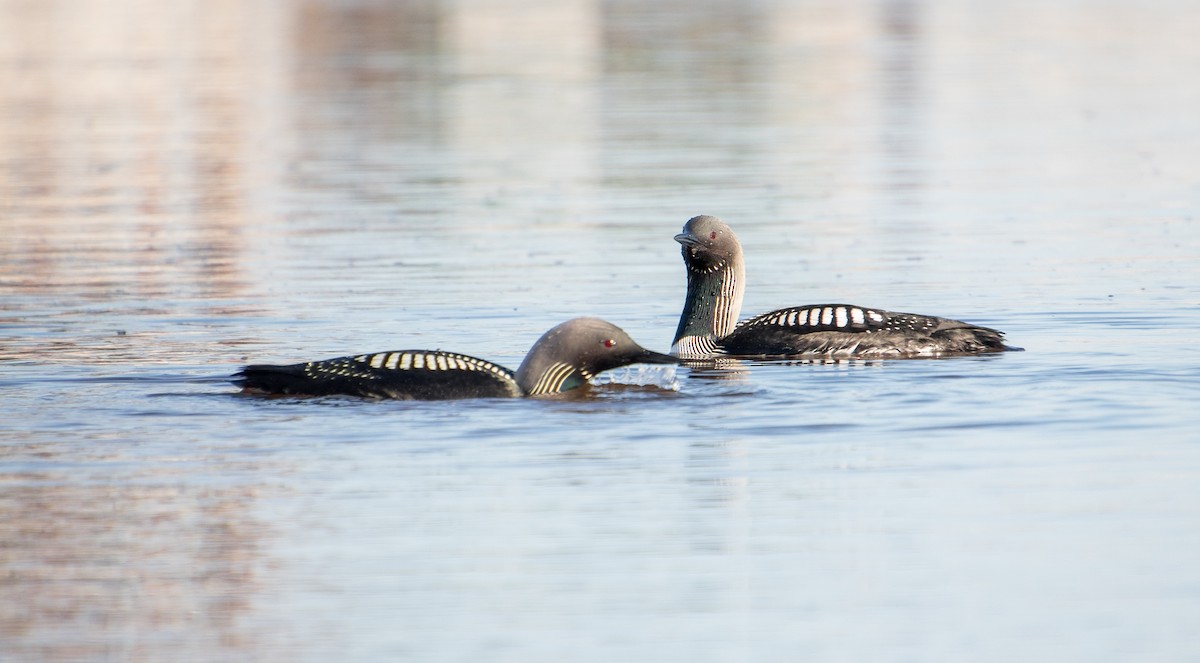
<point>188,187</point>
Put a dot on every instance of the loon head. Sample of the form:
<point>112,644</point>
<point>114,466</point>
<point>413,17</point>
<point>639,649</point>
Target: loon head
<point>716,281</point>
<point>709,244</point>
<point>577,350</point>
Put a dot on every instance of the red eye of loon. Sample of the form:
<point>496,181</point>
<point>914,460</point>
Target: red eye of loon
<point>608,342</point>
<point>712,235</point>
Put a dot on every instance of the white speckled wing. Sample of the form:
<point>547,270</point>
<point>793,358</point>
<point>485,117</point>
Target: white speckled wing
<point>401,374</point>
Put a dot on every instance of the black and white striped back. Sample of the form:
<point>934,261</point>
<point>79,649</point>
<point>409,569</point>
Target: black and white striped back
<point>402,374</point>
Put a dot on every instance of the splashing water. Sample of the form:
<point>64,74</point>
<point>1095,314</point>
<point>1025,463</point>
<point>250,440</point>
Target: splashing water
<point>641,375</point>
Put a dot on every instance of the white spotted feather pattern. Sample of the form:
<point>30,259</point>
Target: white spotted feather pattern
<point>376,366</point>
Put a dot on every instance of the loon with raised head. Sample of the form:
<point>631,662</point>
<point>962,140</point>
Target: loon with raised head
<point>564,358</point>
<point>716,281</point>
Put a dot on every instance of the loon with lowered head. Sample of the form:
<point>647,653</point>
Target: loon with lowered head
<point>564,358</point>
<point>716,281</point>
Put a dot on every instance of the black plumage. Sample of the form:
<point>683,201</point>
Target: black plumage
<point>708,325</point>
<point>564,358</point>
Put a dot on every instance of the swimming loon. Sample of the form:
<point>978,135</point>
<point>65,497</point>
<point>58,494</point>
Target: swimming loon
<point>716,281</point>
<point>564,358</point>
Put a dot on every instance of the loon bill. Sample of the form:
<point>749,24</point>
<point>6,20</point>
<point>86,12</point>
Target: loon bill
<point>716,282</point>
<point>564,358</point>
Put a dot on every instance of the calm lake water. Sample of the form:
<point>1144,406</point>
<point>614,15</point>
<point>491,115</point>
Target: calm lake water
<point>187,187</point>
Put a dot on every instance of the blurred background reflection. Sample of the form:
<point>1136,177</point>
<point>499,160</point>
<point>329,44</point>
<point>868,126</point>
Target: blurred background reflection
<point>186,186</point>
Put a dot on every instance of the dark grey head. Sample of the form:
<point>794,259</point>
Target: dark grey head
<point>716,278</point>
<point>709,244</point>
<point>575,351</point>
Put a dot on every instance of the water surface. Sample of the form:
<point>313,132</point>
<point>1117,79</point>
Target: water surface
<point>185,188</point>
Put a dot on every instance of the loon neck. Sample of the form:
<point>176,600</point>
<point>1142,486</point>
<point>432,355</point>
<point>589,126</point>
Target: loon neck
<point>539,376</point>
<point>711,307</point>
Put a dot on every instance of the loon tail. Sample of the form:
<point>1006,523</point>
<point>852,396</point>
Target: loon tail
<point>960,337</point>
<point>270,379</point>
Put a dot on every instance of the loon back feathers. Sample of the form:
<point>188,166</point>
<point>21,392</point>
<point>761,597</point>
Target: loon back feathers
<point>713,257</point>
<point>564,358</point>
<point>853,331</point>
<point>403,375</point>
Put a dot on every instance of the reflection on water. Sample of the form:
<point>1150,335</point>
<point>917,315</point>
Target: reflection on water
<point>188,187</point>
<point>131,556</point>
